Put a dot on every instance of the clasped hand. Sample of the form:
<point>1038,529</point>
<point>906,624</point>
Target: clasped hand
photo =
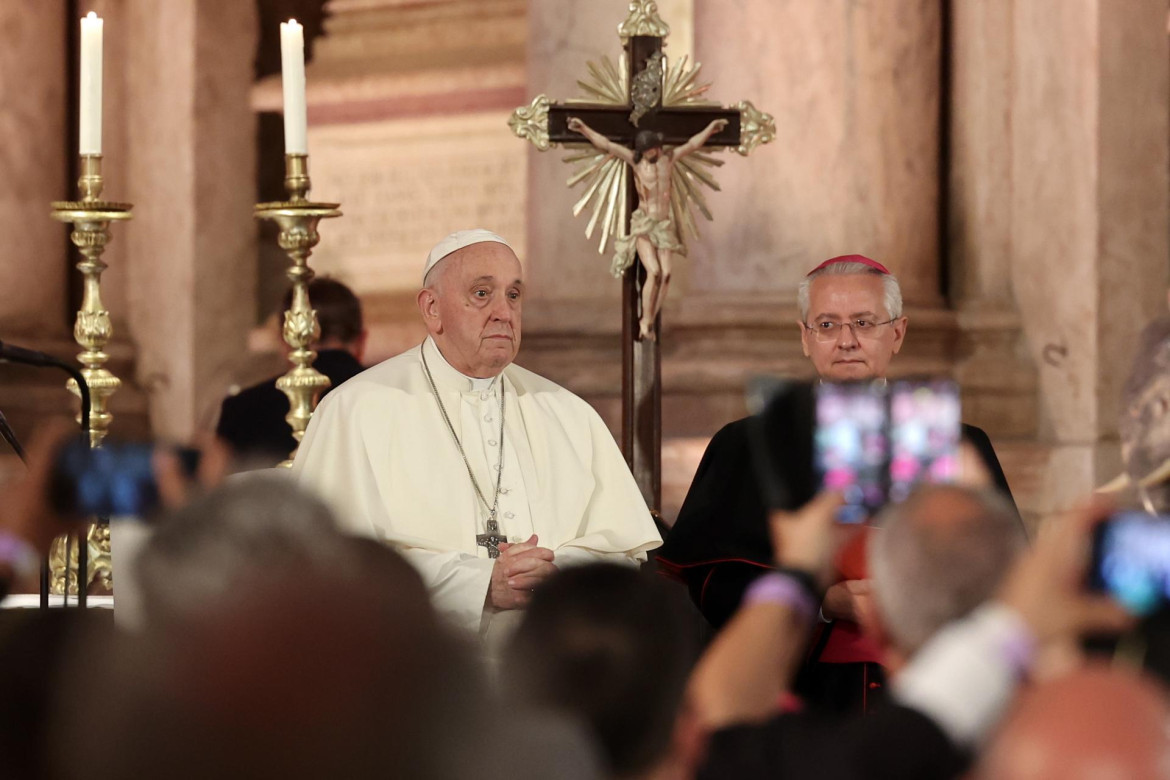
<point>519,569</point>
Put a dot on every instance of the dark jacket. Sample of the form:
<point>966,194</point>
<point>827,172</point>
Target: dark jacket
<point>252,421</point>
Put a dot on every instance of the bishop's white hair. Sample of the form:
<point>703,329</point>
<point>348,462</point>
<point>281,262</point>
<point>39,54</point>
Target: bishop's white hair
<point>893,298</point>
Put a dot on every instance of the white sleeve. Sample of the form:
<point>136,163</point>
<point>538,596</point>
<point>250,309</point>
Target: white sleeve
<point>458,584</point>
<point>616,519</point>
<point>965,676</point>
<point>567,557</point>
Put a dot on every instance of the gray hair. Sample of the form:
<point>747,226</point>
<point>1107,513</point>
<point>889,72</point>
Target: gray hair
<point>893,297</point>
<point>201,553</point>
<point>937,556</point>
<point>435,274</point>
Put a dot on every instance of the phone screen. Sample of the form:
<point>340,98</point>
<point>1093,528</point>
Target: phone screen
<point>114,480</point>
<point>924,434</point>
<point>1131,560</point>
<point>851,447</point>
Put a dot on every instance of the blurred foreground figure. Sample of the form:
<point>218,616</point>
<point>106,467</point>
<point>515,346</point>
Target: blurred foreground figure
<point>965,654</point>
<point>932,560</point>
<point>1092,723</point>
<point>276,646</point>
<point>612,648</point>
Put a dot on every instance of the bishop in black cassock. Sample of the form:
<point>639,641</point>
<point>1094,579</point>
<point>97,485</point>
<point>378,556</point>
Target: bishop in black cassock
<point>851,327</point>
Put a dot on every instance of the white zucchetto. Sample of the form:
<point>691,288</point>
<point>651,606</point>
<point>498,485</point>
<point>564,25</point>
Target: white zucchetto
<point>456,241</point>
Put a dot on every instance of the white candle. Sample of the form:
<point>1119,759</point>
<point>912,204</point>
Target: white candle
<point>292,71</point>
<point>90,135</point>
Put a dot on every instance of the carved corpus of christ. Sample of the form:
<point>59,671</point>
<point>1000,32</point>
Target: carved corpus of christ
<point>653,231</point>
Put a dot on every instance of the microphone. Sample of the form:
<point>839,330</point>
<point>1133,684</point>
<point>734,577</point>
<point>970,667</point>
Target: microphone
<point>10,353</point>
<point>14,354</point>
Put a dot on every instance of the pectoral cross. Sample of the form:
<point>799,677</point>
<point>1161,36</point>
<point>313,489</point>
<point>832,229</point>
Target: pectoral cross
<point>644,94</point>
<point>492,539</point>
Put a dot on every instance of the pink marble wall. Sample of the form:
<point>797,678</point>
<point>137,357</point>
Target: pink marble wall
<point>980,171</point>
<point>854,168</point>
<point>33,169</point>
<point>1090,208</point>
<point>191,177</point>
<point>562,264</point>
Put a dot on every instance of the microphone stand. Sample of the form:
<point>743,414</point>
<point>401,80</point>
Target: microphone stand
<point>12,354</point>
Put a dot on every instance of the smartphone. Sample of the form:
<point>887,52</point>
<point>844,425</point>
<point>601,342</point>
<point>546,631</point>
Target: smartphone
<point>874,443</point>
<point>925,433</point>
<point>117,479</point>
<point>851,446</point>
<point>1131,560</point>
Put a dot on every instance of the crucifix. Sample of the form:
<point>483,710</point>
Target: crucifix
<point>649,117</point>
<point>491,540</point>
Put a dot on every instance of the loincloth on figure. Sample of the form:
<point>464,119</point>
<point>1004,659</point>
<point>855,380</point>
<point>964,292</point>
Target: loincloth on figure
<point>660,232</point>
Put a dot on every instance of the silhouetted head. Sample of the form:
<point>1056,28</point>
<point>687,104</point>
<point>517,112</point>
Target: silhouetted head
<point>612,649</point>
<point>1091,723</point>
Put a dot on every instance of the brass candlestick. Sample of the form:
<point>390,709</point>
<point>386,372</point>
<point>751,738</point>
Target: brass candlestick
<point>298,218</point>
<point>91,218</point>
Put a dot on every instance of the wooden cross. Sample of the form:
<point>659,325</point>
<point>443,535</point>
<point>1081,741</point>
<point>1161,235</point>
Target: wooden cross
<point>546,123</point>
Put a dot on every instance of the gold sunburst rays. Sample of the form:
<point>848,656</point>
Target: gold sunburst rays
<point>686,195</point>
<point>608,84</point>
<point>680,86</point>
<point>607,182</point>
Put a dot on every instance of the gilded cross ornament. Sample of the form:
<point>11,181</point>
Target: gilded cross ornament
<point>643,21</point>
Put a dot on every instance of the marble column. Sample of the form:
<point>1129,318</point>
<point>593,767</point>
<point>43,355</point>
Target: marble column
<point>33,167</point>
<point>1089,204</point>
<point>191,178</point>
<point>997,376</point>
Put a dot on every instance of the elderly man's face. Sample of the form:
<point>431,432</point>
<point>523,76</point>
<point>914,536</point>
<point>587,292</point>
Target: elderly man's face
<point>472,309</point>
<point>848,354</point>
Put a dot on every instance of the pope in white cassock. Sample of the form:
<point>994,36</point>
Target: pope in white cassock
<point>484,475</point>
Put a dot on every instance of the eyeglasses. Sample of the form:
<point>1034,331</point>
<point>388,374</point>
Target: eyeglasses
<point>830,331</point>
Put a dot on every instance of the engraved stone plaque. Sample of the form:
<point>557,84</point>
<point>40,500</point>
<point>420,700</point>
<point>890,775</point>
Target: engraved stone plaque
<point>405,183</point>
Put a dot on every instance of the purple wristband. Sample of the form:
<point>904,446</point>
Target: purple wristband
<point>777,588</point>
<point>1018,648</point>
<point>18,554</point>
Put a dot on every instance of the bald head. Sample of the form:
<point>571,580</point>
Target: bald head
<point>1096,722</point>
<point>937,556</point>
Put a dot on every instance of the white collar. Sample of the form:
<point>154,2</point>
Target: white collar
<point>447,377</point>
<point>879,381</point>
